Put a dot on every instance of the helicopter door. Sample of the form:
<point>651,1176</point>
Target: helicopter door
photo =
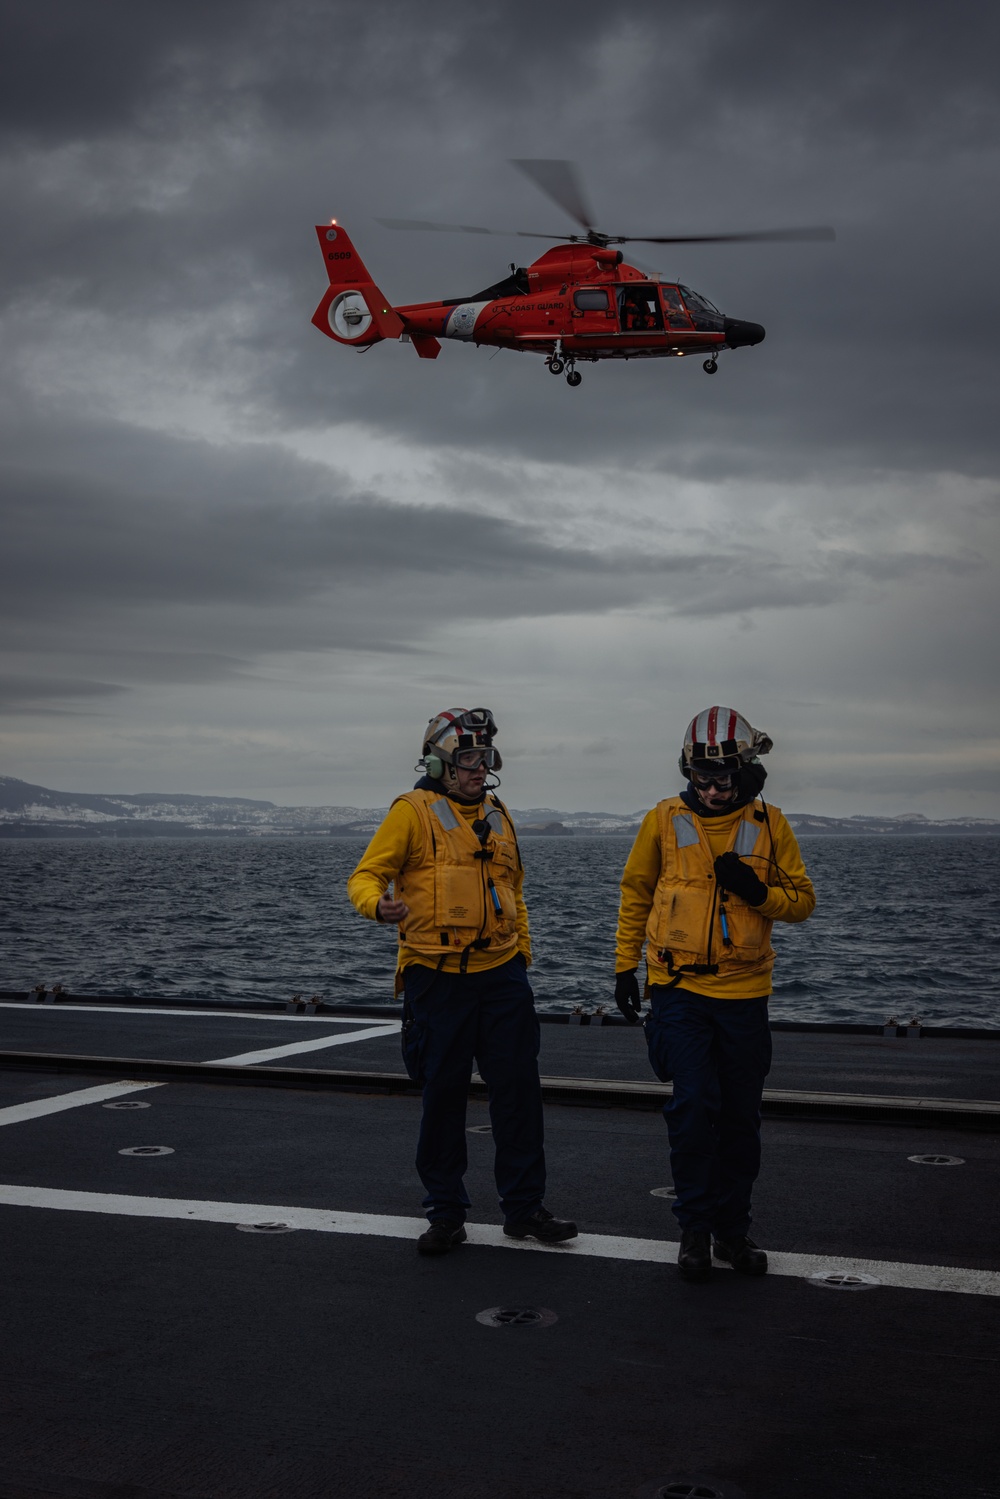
<point>593,311</point>
<point>639,309</point>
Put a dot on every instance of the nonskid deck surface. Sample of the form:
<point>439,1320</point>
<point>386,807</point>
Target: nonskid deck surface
<point>155,1349</point>
<point>829,1062</point>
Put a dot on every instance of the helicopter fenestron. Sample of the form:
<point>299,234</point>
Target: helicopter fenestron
<point>578,302</point>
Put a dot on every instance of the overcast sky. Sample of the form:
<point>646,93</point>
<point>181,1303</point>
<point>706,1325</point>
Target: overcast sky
<point>241,559</point>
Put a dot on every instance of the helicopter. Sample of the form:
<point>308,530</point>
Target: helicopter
<point>577,303</point>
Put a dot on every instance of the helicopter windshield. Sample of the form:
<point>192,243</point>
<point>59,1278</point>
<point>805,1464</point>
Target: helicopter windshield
<point>703,314</point>
<point>697,303</point>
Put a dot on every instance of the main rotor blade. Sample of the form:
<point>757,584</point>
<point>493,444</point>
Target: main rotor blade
<point>558,180</point>
<point>787,236</point>
<point>463,229</point>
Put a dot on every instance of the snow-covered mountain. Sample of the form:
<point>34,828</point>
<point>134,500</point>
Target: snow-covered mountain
<point>37,811</point>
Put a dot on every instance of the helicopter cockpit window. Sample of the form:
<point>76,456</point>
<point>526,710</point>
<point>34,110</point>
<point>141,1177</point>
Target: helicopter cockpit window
<point>703,314</point>
<point>676,315</point>
<point>591,299</point>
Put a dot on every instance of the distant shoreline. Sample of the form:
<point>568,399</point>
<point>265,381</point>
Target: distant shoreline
<point>48,832</point>
<point>28,811</point>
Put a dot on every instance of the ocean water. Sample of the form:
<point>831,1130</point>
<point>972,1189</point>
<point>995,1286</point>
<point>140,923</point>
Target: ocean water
<point>904,925</point>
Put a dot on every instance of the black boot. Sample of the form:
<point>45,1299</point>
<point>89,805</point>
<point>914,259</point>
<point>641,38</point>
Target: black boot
<point>694,1258</point>
<point>742,1253</point>
<point>542,1226</point>
<point>443,1234</point>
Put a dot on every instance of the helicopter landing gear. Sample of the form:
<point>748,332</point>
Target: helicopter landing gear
<point>710,366</point>
<point>556,362</point>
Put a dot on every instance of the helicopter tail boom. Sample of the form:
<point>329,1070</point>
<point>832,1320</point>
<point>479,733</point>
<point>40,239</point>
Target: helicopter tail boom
<point>353,310</point>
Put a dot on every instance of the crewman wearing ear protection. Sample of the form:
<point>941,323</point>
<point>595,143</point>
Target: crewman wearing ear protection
<point>450,851</point>
<point>709,873</point>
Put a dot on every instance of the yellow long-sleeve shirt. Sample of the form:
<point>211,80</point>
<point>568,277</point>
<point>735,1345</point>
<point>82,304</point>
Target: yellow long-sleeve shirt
<point>399,843</point>
<point>642,873</point>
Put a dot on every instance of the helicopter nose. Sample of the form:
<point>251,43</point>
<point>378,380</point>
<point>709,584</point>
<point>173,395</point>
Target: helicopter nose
<point>740,335</point>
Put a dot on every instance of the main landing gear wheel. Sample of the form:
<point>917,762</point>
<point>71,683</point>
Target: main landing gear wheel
<point>574,378</point>
<point>710,366</point>
<point>555,365</point>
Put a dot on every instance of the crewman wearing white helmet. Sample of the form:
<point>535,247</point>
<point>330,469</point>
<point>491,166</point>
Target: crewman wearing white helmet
<point>449,849</point>
<point>709,872</point>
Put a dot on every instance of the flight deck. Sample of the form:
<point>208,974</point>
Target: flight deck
<point>214,1291</point>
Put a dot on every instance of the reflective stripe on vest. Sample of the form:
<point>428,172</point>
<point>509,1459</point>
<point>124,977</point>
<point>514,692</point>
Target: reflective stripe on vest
<point>684,830</point>
<point>746,838</point>
<point>445,815</point>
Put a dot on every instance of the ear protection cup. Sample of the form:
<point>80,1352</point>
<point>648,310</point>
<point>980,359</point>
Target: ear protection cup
<point>435,766</point>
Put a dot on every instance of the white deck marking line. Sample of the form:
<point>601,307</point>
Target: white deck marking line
<point>601,1246</point>
<point>18,1112</point>
<point>180,1014</point>
<point>272,1053</point>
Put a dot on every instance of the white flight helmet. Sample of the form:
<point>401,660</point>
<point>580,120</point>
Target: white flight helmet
<point>721,740</point>
<point>458,738</point>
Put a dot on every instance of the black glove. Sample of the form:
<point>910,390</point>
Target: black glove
<point>732,874</point>
<point>627,996</point>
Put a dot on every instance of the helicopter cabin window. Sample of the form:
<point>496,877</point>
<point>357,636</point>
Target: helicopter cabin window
<point>591,299</point>
<point>706,318</point>
<point>639,309</point>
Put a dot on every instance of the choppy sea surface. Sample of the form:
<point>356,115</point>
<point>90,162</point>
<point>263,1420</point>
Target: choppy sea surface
<point>903,926</point>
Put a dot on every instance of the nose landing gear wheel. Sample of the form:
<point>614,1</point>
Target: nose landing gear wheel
<point>710,366</point>
<point>555,365</point>
<point>574,378</point>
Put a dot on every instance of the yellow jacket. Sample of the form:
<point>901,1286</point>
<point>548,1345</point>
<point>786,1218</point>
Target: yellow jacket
<point>670,898</point>
<point>435,869</point>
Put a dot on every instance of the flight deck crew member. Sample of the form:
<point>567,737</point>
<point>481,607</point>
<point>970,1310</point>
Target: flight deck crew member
<point>709,872</point>
<point>450,851</point>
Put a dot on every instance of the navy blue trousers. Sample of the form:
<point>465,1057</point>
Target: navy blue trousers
<point>488,1018</point>
<point>717,1053</point>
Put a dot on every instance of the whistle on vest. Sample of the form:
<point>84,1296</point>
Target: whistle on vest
<point>494,897</point>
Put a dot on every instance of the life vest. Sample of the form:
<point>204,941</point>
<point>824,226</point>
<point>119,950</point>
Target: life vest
<point>462,895</point>
<point>686,932</point>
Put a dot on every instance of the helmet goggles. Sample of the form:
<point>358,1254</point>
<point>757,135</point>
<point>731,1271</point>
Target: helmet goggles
<point>713,776</point>
<point>471,759</point>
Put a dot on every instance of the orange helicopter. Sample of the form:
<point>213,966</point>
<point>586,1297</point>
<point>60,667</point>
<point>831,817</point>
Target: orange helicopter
<point>577,302</point>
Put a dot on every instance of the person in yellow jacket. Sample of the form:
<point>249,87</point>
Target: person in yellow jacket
<point>709,873</point>
<point>449,849</point>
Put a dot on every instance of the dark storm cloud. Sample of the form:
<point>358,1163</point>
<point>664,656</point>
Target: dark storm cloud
<point>872,70</point>
<point>69,68</point>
